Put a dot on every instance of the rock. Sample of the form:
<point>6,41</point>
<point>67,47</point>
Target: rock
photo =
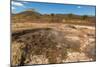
<point>76,57</point>
<point>47,42</point>
<point>90,50</point>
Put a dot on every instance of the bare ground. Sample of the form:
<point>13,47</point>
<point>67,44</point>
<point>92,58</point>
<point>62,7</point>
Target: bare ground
<point>82,43</point>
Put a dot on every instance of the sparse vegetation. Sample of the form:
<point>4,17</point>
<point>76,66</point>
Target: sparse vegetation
<point>31,15</point>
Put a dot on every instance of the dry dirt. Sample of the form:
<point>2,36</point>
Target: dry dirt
<point>43,43</point>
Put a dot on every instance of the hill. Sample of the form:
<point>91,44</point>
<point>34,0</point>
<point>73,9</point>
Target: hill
<point>34,17</point>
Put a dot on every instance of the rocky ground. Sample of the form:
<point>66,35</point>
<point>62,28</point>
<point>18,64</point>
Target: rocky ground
<point>43,43</point>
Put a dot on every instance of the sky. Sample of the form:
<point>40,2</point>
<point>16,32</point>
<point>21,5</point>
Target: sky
<point>48,8</point>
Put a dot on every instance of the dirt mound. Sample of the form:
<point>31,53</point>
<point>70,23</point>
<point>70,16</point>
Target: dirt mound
<point>47,42</point>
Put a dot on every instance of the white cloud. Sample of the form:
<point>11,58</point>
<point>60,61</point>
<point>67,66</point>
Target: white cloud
<point>79,7</point>
<point>24,2</point>
<point>13,8</point>
<point>17,3</point>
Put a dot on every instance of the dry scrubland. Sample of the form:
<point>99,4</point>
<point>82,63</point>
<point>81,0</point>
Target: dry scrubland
<point>44,43</point>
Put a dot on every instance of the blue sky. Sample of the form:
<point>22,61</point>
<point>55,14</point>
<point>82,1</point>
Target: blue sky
<point>48,8</point>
